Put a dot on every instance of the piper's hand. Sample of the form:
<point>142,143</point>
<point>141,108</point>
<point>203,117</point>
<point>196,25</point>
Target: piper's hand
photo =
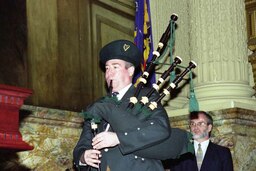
<point>91,158</point>
<point>105,139</point>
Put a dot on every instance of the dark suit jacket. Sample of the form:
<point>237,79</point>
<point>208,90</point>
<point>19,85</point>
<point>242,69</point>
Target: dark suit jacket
<point>122,158</point>
<point>217,158</point>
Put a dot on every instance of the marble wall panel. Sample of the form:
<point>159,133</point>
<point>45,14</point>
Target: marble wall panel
<point>54,133</point>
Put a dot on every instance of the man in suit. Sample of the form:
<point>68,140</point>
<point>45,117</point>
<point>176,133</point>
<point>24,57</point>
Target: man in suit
<point>115,150</point>
<point>210,157</point>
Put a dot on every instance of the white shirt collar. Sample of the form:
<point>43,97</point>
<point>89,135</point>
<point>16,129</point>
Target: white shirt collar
<point>204,145</point>
<point>123,91</point>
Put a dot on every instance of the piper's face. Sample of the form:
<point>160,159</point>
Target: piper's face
<point>120,75</point>
<point>200,128</point>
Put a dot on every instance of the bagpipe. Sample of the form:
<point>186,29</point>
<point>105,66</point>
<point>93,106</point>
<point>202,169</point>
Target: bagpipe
<point>137,111</point>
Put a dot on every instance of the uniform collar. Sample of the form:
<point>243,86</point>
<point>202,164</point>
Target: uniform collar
<point>123,91</point>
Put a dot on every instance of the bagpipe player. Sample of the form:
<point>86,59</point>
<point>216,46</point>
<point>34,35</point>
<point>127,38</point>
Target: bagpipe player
<point>126,144</point>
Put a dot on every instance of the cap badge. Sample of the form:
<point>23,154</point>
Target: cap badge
<point>126,47</point>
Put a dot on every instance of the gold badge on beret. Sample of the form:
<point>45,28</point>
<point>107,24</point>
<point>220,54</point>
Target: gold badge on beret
<point>126,47</point>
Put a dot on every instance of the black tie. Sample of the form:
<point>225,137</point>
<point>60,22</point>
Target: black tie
<point>114,94</point>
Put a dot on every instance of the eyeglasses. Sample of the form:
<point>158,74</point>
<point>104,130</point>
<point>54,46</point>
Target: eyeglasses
<point>199,124</point>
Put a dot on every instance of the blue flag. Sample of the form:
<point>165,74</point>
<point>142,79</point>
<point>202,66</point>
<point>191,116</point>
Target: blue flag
<point>143,37</point>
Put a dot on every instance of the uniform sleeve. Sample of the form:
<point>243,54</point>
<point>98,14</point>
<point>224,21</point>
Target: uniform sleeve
<point>84,143</point>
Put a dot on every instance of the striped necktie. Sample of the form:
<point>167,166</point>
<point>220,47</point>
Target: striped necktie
<point>199,156</point>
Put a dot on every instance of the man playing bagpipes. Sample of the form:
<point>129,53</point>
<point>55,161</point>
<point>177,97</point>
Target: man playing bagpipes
<point>134,139</point>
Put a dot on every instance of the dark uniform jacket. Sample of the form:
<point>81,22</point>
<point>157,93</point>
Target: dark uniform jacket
<point>217,158</point>
<point>122,158</point>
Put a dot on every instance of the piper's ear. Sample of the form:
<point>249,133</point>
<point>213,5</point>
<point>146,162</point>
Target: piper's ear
<point>131,70</point>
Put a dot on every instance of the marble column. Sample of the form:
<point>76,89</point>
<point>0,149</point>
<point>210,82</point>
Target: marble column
<point>218,44</point>
<point>214,36</point>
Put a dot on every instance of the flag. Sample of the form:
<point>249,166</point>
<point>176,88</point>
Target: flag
<point>143,37</point>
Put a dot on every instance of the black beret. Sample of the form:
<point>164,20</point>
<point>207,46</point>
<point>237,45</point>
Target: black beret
<point>121,49</point>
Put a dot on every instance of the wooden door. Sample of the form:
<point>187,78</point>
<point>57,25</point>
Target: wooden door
<point>111,20</point>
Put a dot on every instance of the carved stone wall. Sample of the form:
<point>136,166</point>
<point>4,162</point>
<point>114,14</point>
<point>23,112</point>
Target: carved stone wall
<point>52,132</point>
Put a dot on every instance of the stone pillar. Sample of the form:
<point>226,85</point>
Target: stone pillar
<point>218,44</point>
<point>215,38</point>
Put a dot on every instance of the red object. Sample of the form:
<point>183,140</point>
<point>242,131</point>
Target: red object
<point>11,100</point>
